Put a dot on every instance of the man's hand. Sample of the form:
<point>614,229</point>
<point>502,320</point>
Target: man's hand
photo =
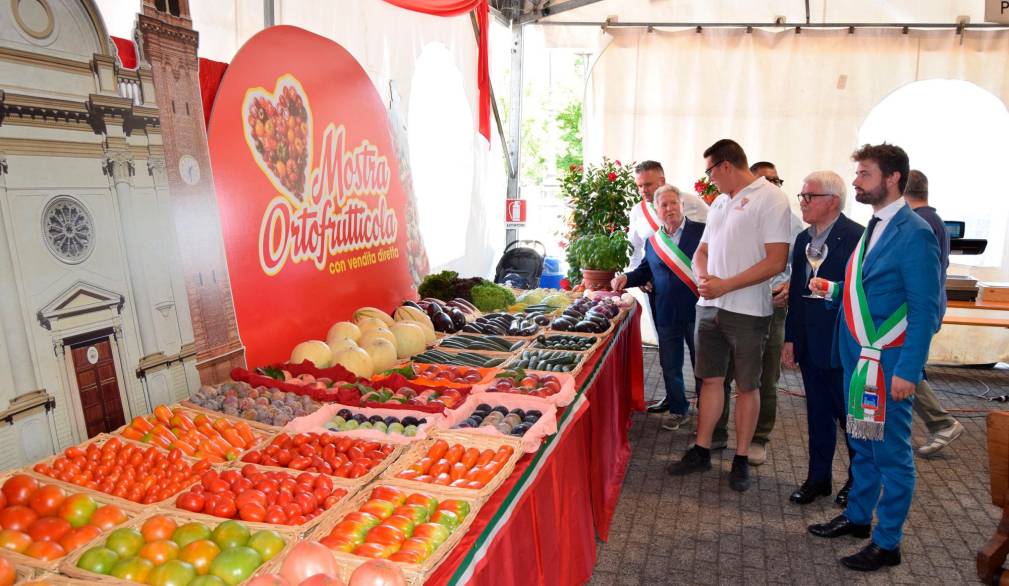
<point>819,286</point>
<point>788,355</point>
<point>712,287</point>
<point>618,282</point>
<point>779,295</point>
<point>901,389</point>
<point>647,287</point>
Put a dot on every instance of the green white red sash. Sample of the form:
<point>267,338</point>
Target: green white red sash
<point>867,389</point>
<point>648,210</point>
<point>674,258</point>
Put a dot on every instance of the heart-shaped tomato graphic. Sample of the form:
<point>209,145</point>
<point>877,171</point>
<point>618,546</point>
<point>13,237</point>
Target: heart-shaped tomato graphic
<point>278,130</point>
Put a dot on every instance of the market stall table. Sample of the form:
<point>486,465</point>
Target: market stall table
<point>541,525</point>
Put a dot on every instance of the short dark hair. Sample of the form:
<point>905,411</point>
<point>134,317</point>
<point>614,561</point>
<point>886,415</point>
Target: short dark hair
<point>917,185</point>
<point>890,158</point>
<point>727,150</point>
<point>649,166</point>
<point>762,165</point>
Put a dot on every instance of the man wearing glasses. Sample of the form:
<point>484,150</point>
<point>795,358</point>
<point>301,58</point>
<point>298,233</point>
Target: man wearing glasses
<point>744,244</point>
<point>810,322</point>
<point>771,365</point>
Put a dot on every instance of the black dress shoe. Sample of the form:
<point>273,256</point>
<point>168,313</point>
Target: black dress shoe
<point>658,407</point>
<point>841,499</point>
<point>871,558</point>
<point>692,461</point>
<point>838,526</point>
<point>809,492</point>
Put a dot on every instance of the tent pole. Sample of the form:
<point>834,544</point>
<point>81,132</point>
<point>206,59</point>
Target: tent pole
<point>515,121</point>
<point>269,16</point>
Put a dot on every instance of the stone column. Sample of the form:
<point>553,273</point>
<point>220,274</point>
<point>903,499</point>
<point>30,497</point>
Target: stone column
<point>119,168</point>
<point>11,319</point>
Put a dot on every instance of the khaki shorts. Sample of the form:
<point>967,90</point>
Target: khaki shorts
<point>719,333</point>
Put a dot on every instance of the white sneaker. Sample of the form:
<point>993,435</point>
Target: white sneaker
<point>673,422</point>
<point>757,454</point>
<point>941,439</point>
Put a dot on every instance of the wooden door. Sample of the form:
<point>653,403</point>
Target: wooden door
<point>98,387</point>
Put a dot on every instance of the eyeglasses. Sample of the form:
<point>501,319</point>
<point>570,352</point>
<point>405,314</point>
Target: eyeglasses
<point>808,197</point>
<point>709,169</point>
<point>776,180</point>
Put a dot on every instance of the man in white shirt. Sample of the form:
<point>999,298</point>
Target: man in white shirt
<point>771,370</point>
<point>745,243</point>
<point>644,221</point>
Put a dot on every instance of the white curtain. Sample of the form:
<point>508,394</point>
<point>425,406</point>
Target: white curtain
<point>797,100</point>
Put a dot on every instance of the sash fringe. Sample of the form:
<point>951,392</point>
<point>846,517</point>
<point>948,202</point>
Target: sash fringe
<point>864,430</point>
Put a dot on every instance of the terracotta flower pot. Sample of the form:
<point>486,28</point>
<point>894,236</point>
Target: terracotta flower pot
<point>597,280</point>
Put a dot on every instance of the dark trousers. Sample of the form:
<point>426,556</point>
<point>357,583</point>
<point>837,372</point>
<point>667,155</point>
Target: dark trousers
<point>825,414</point>
<point>671,339</point>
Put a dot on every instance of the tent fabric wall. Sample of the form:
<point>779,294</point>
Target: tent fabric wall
<point>795,99</point>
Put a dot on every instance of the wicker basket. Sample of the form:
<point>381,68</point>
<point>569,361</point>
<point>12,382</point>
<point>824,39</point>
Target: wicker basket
<point>582,358</point>
<point>415,574</point>
<point>534,345</point>
<point>468,440</point>
<point>351,484</point>
<point>69,565</point>
<point>111,499</point>
<point>20,560</point>
<point>49,579</point>
<point>351,489</point>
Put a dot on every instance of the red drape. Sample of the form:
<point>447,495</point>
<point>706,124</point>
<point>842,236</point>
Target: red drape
<point>549,537</point>
<point>211,73</point>
<point>127,52</point>
<point>455,8</point>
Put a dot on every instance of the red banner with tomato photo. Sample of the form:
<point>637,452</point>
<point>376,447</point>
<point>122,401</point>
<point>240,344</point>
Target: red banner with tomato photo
<point>315,218</point>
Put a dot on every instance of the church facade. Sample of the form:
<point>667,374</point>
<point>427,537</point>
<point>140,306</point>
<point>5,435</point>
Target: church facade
<point>94,310</point>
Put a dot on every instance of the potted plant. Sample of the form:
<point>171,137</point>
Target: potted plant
<point>600,198</point>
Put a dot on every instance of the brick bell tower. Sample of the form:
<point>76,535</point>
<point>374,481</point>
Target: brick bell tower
<point>166,40</point>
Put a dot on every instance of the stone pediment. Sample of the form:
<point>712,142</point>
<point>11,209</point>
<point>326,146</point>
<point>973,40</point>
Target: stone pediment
<point>79,298</point>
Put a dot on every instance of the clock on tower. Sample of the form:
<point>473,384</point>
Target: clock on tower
<point>167,41</point>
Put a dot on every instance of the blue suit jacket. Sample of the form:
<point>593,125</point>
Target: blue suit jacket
<point>674,301</point>
<point>902,267</point>
<point>809,320</point>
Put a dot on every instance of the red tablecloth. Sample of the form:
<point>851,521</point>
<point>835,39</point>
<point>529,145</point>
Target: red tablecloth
<point>540,526</point>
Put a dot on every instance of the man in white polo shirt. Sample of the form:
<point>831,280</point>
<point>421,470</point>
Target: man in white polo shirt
<point>744,244</point>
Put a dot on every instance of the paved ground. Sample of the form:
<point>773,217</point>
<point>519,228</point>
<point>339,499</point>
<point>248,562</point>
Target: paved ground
<point>696,530</point>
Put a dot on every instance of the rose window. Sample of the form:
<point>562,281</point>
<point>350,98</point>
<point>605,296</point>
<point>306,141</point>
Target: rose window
<point>68,229</point>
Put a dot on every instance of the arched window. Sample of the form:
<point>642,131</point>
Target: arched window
<point>957,134</point>
<point>440,131</point>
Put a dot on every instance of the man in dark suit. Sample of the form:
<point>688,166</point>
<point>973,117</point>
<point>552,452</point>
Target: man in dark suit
<point>809,327</point>
<point>667,266</point>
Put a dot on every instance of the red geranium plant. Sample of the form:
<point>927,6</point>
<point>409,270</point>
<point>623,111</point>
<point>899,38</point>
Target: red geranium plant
<point>706,190</point>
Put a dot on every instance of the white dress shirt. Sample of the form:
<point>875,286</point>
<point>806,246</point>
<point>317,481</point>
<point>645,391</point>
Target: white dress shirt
<point>885,215</point>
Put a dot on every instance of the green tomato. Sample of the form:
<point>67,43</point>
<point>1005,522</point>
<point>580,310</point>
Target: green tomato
<point>267,543</point>
<point>231,534</point>
<point>207,581</point>
<point>99,560</point>
<point>190,532</point>
<point>236,564</point>
<point>125,541</point>
<point>172,573</point>
<point>134,569</point>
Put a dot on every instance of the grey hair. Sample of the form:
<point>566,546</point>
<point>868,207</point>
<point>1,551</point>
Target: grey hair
<point>665,188</point>
<point>830,182</point>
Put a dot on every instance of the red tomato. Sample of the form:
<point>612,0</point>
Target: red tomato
<point>45,550</point>
<point>190,501</point>
<point>46,500</point>
<point>19,488</point>
<point>49,529</point>
<point>276,516</point>
<point>78,537</point>
<point>252,512</point>
<point>17,518</point>
<point>224,508</point>
<point>108,516</point>
<point>158,528</point>
<point>14,540</point>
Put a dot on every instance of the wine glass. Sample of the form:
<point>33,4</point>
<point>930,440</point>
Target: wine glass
<point>815,255</point>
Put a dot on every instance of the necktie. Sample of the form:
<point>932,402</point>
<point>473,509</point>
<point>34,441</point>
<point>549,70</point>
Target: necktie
<point>868,234</point>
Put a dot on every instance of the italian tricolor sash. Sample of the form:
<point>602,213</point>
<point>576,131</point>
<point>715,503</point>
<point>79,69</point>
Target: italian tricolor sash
<point>650,216</point>
<point>867,390</point>
<point>674,259</point>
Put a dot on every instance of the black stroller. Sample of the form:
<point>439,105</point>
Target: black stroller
<point>521,264</point>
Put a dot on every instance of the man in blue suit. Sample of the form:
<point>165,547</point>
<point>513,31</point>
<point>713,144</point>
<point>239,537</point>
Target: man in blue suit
<point>667,266</point>
<point>810,324</point>
<point>890,309</point>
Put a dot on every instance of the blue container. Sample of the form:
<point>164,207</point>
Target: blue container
<point>552,275</point>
